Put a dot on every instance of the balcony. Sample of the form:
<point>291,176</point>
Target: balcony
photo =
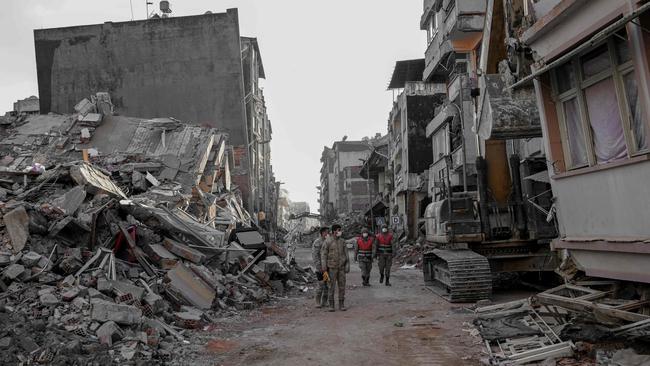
<point>459,29</point>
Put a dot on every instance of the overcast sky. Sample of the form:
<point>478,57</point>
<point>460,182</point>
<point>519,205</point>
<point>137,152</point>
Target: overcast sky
<point>327,64</point>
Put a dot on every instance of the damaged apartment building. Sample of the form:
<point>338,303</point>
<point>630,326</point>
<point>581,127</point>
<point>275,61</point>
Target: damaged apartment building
<point>197,69</point>
<point>591,77</point>
<point>342,189</point>
<point>409,147</point>
<point>487,183</point>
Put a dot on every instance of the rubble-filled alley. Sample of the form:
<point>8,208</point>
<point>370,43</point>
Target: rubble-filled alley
<point>494,214</point>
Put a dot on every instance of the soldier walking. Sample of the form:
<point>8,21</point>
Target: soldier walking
<point>321,290</point>
<point>385,249</point>
<point>364,250</point>
<point>336,262</point>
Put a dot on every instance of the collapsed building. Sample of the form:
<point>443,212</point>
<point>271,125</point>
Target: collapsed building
<point>197,69</point>
<point>121,235</point>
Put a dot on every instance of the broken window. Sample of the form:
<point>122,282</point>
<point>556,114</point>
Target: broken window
<point>598,105</point>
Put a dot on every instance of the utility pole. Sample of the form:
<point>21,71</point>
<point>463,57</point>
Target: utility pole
<point>372,214</point>
<point>148,3</point>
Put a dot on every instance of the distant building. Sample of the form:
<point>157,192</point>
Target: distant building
<point>342,188</point>
<point>196,68</point>
<point>376,168</point>
<point>27,106</point>
<point>409,148</point>
<point>298,208</point>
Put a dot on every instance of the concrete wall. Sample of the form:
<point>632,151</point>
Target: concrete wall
<point>612,202</point>
<point>189,68</point>
<point>565,34</point>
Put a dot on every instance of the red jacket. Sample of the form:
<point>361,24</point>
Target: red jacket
<point>385,241</point>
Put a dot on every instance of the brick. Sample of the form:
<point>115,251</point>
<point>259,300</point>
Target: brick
<point>70,294</point>
<point>109,332</point>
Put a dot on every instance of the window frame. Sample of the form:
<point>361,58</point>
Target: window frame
<point>432,27</point>
<point>617,72</point>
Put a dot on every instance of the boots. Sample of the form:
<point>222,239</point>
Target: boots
<point>342,305</point>
<point>381,278</point>
<point>331,310</point>
<point>365,280</point>
<point>388,280</point>
<point>319,301</point>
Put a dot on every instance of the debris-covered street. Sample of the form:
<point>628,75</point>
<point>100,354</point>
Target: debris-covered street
<point>405,324</point>
<point>368,182</point>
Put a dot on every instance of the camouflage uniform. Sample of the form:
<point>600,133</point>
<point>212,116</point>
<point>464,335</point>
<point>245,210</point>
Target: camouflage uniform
<point>336,261</point>
<point>321,290</point>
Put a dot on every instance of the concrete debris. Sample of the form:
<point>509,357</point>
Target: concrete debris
<point>109,332</point>
<point>17,223</point>
<point>71,200</point>
<point>103,311</point>
<point>189,287</point>
<point>184,251</point>
<point>116,236</point>
<point>566,325</point>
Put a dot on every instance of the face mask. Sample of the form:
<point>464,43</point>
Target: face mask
<point>384,230</point>
<point>365,235</point>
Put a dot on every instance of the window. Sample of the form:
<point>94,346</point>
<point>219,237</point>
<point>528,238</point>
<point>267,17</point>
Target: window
<point>432,28</point>
<point>598,104</point>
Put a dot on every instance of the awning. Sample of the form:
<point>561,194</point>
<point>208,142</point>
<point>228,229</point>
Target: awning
<point>597,38</point>
<point>407,70</point>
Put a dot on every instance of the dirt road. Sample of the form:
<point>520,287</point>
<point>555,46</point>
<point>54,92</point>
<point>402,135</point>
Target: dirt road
<point>405,324</point>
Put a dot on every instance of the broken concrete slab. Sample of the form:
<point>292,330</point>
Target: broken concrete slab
<point>48,299</point>
<point>151,179</point>
<point>95,181</point>
<point>184,251</point>
<point>119,287</point>
<point>71,200</point>
<point>17,223</point>
<point>14,271</point>
<point>161,256</point>
<point>138,181</point>
<point>183,282</point>
<point>30,259</point>
<point>273,265</point>
<point>109,332</point>
<point>123,314</point>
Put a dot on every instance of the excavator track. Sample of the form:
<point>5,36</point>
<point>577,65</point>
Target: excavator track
<point>458,275</point>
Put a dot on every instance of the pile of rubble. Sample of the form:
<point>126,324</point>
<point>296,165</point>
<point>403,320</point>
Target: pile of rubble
<point>585,323</point>
<point>116,238</point>
<point>410,253</point>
